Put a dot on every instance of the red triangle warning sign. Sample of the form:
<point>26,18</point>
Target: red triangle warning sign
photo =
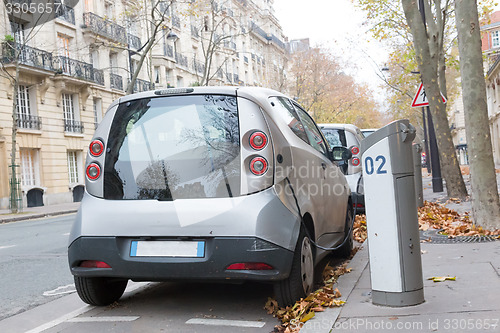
<point>421,98</point>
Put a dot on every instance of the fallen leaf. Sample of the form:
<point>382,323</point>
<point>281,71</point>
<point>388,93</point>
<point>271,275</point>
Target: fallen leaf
<point>442,278</point>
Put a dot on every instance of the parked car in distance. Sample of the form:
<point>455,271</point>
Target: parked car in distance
<point>368,131</point>
<point>349,136</point>
<point>210,183</point>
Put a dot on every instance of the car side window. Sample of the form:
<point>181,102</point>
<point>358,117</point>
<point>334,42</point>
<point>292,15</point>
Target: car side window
<point>335,137</point>
<point>313,133</point>
<point>285,109</point>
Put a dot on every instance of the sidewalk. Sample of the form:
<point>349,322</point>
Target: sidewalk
<point>469,304</point>
<point>38,212</point>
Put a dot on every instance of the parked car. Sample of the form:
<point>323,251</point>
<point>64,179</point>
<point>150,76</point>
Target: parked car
<point>349,136</point>
<point>368,131</point>
<point>211,183</point>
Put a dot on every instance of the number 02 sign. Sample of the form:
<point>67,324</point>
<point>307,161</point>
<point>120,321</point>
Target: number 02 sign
<point>376,166</point>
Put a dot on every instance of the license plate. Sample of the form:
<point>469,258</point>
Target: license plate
<point>184,249</point>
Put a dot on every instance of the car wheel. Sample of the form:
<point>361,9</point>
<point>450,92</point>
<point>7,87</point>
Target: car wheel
<point>301,279</point>
<point>345,250</point>
<point>99,290</point>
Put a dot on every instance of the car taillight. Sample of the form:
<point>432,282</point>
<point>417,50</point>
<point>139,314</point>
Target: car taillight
<point>93,171</point>
<point>355,150</point>
<point>250,266</point>
<point>258,140</point>
<point>355,161</point>
<point>94,264</point>
<point>96,148</point>
<point>258,166</point>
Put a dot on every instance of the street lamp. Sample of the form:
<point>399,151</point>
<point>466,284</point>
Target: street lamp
<point>437,180</point>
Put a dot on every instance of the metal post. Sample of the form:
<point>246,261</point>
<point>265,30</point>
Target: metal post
<point>426,143</point>
<point>437,180</point>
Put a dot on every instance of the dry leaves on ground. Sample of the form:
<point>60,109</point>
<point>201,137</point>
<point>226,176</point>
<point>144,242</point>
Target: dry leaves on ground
<point>293,317</point>
<point>436,216</point>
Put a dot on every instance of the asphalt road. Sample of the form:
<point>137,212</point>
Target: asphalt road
<point>33,261</point>
<point>34,271</point>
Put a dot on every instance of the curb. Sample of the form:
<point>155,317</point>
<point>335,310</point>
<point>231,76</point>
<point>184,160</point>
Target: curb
<point>323,322</point>
<point>35,216</point>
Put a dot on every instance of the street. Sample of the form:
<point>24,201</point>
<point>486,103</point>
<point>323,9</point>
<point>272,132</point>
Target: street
<point>33,259</point>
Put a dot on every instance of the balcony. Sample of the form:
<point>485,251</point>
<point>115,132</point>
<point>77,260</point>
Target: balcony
<point>258,30</point>
<point>176,22</point>
<point>116,81</point>
<point>28,56</point>
<point>73,126</point>
<point>134,42</point>
<point>27,121</point>
<point>181,59</point>
<point>198,66</point>
<point>105,28</point>
<point>78,69</point>
<point>142,85</point>
<point>66,13</point>
<point>277,41</point>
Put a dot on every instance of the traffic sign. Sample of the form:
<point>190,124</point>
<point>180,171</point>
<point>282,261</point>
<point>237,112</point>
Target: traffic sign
<point>421,98</point>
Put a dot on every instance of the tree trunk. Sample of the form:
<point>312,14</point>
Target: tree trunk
<point>485,201</point>
<point>14,207</point>
<point>428,66</point>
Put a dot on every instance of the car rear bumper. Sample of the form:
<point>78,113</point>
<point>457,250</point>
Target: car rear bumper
<point>219,253</point>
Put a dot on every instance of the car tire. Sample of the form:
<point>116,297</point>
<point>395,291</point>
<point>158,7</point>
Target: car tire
<point>301,279</point>
<point>345,250</point>
<point>99,290</point>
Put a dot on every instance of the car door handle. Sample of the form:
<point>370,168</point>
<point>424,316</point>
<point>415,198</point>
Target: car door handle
<point>323,165</point>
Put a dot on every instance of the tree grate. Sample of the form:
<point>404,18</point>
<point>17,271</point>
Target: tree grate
<point>435,237</point>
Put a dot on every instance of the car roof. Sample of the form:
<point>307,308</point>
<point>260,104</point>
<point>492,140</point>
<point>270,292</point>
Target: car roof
<point>349,127</point>
<point>257,94</point>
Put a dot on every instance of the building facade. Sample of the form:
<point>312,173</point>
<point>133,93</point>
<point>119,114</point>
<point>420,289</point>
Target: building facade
<point>73,66</point>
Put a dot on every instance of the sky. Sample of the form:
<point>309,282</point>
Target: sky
<point>337,25</point>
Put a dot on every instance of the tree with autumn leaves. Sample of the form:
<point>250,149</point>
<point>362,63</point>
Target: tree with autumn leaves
<point>422,35</point>
<point>318,81</point>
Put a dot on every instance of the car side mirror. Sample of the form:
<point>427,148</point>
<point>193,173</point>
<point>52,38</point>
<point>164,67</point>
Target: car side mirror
<point>341,154</point>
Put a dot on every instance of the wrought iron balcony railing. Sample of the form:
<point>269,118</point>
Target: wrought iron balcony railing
<point>78,69</point>
<point>278,42</point>
<point>65,13</point>
<point>198,66</point>
<point>181,59</point>
<point>142,85</point>
<point>29,122</point>
<point>176,21</point>
<point>105,28</point>
<point>258,30</point>
<point>134,42</point>
<point>73,126</point>
<point>29,56</point>
<point>116,81</point>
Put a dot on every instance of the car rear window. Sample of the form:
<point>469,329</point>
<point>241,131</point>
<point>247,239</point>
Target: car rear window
<point>335,137</point>
<point>175,147</point>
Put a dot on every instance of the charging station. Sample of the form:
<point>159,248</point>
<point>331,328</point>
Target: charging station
<point>392,217</point>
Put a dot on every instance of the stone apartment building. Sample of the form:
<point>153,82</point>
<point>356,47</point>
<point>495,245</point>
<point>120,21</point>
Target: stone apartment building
<point>73,66</point>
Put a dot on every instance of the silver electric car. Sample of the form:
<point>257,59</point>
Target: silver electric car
<point>212,183</point>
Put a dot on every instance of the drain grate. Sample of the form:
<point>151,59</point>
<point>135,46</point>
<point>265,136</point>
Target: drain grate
<point>435,237</point>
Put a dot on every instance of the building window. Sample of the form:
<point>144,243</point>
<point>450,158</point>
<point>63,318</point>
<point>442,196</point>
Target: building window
<point>157,74</point>
<point>113,62</point>
<point>29,167</point>
<point>495,38</point>
<point>71,124</point>
<point>73,167</point>
<point>97,111</point>
<point>18,30</point>
<point>63,49</point>
<point>26,109</point>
